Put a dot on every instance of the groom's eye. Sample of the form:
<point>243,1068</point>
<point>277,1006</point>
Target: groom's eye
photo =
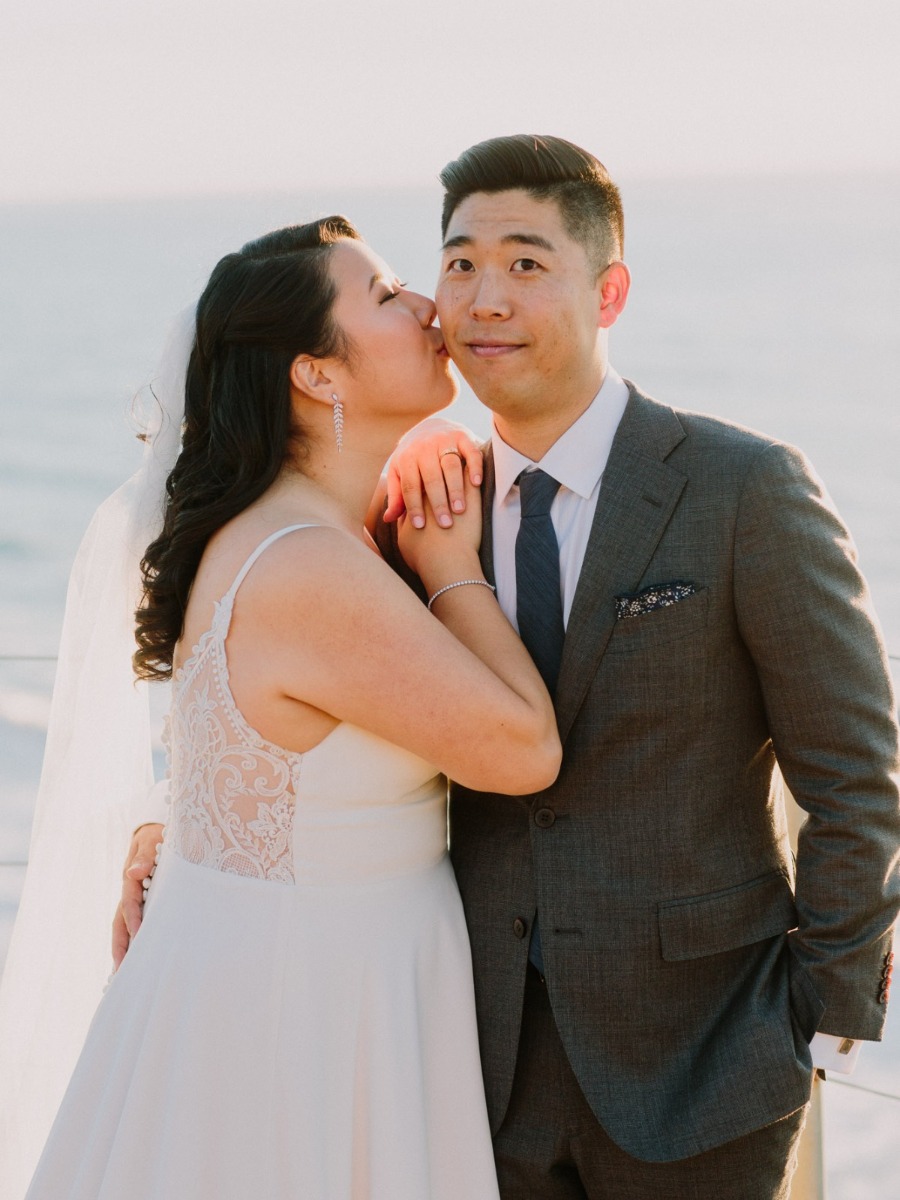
<point>460,264</point>
<point>526,265</point>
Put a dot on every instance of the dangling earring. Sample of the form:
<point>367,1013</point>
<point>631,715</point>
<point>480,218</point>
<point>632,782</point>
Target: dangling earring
<point>338,413</point>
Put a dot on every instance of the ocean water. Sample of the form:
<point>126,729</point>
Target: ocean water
<point>769,301</point>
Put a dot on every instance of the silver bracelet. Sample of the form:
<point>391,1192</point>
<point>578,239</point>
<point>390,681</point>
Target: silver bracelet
<point>459,583</point>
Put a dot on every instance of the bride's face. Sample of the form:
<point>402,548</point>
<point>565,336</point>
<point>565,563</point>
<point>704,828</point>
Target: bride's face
<point>398,364</point>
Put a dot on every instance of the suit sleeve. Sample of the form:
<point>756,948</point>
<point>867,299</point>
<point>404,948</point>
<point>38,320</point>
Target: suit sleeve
<point>805,614</point>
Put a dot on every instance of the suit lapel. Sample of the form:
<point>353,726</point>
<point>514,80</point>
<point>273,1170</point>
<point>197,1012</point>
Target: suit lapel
<point>488,488</point>
<point>638,495</point>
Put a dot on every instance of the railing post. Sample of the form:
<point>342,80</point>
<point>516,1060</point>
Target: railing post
<point>809,1179</point>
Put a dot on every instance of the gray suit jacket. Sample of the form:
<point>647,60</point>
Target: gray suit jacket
<point>687,967</point>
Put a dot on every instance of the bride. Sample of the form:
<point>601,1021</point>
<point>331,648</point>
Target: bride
<point>295,1016</point>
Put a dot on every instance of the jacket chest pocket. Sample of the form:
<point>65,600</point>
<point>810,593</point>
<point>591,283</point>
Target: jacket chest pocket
<point>684,620</point>
<point>654,672</point>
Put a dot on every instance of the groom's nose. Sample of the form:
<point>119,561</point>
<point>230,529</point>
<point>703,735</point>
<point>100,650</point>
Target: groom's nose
<point>491,297</point>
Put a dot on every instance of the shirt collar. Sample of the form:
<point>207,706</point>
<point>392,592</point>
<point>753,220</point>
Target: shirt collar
<point>578,458</point>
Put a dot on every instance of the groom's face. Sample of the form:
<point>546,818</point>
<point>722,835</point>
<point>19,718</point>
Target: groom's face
<point>520,304</point>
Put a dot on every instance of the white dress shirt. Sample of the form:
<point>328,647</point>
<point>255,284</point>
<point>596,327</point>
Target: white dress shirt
<point>577,460</point>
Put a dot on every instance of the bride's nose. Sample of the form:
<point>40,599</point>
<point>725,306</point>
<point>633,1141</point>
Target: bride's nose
<point>423,308</point>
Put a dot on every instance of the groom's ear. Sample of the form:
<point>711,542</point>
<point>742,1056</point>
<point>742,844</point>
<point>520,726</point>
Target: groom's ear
<point>309,377</point>
<point>614,284</point>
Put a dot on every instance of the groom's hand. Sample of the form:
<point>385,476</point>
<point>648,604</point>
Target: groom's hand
<point>429,462</point>
<point>138,867</point>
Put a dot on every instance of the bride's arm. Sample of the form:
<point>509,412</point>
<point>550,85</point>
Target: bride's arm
<point>326,623</point>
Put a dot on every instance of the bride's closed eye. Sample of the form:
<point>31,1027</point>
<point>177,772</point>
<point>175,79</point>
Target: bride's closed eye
<point>393,295</point>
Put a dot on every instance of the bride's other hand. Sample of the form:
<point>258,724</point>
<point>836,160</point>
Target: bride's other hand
<point>431,463</point>
<point>439,555</point>
<point>139,865</point>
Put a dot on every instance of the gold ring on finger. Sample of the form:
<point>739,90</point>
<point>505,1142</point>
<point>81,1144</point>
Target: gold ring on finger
<point>450,451</point>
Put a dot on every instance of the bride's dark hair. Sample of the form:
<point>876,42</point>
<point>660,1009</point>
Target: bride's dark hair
<point>263,306</point>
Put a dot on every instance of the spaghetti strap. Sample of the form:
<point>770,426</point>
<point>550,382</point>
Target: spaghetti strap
<point>264,545</point>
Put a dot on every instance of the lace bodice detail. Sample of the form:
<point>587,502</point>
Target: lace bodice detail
<point>232,793</point>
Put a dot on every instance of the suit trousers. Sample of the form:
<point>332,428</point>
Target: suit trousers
<point>551,1146</point>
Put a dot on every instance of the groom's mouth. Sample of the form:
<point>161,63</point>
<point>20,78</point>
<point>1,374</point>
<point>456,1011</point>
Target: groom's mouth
<point>493,348</point>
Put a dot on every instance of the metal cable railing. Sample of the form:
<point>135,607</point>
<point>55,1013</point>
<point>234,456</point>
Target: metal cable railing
<point>858,1087</point>
<point>28,657</point>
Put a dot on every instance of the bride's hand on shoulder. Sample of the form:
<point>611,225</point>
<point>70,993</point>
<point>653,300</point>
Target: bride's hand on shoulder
<point>431,467</point>
<point>435,553</point>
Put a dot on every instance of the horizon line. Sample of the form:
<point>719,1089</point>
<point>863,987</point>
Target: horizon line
<point>37,199</point>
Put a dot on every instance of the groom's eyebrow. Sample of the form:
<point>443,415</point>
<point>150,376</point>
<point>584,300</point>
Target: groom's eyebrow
<point>527,239</point>
<point>515,239</point>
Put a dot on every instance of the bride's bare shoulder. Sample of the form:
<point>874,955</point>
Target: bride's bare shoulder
<point>315,558</point>
<point>274,545</point>
<point>296,559</point>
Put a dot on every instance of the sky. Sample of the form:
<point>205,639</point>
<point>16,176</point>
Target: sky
<point>105,99</point>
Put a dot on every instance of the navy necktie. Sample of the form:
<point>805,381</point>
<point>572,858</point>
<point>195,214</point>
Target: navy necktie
<point>539,610</point>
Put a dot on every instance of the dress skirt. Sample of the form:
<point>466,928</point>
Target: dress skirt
<point>282,1042</point>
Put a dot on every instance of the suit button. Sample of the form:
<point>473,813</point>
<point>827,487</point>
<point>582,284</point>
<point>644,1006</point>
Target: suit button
<point>544,818</point>
<point>520,927</point>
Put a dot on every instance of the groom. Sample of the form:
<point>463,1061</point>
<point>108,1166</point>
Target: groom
<point>651,966</point>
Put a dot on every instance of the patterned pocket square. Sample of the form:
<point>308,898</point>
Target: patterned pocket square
<point>658,595</point>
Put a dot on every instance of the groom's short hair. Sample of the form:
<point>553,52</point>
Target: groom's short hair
<point>548,168</point>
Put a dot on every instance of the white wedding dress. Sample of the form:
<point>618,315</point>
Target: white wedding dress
<point>295,1019</point>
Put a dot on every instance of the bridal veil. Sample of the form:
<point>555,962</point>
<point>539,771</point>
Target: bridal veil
<point>96,774</point>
